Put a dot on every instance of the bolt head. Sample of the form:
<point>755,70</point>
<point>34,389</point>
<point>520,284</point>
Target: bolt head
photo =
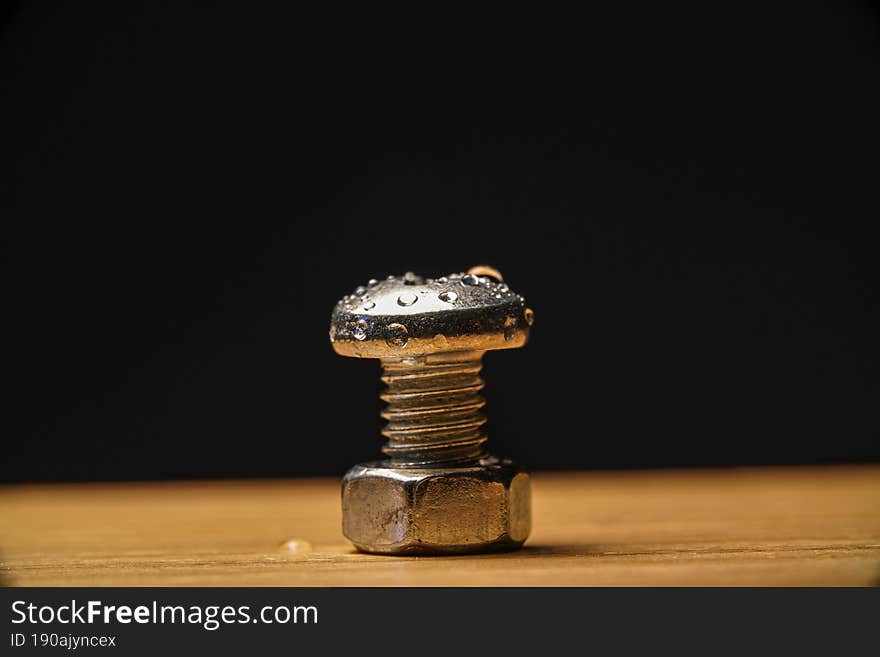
<point>408,315</point>
<point>394,510</point>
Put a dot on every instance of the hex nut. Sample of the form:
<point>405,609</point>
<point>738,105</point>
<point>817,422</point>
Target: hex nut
<point>394,510</point>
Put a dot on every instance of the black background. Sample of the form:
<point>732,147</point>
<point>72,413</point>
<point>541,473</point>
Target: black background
<point>684,196</point>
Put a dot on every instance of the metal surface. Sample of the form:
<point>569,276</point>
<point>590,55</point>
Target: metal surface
<point>394,510</point>
<point>438,492</point>
<point>407,315</point>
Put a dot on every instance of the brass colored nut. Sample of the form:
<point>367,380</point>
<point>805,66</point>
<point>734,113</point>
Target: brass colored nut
<point>439,491</point>
<point>445,510</point>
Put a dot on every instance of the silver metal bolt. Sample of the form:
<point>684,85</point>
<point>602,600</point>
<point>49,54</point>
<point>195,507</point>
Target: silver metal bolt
<point>438,491</point>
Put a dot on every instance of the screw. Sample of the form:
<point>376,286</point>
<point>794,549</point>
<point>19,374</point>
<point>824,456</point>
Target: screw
<point>438,491</point>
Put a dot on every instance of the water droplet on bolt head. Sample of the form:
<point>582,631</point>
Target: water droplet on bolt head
<point>486,270</point>
<point>448,296</point>
<point>509,328</point>
<point>360,330</point>
<point>470,279</point>
<point>407,299</point>
<point>398,336</point>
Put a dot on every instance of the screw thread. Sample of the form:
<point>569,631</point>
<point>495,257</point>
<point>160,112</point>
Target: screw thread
<point>433,409</point>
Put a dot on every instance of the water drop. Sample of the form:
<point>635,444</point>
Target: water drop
<point>486,270</point>
<point>497,296</point>
<point>504,287</point>
<point>407,299</point>
<point>360,330</point>
<point>448,296</point>
<point>360,291</point>
<point>390,277</point>
<point>509,328</point>
<point>333,333</point>
<point>409,278</point>
<point>297,546</point>
<point>442,280</point>
<point>372,282</point>
<point>529,314</point>
<point>397,336</point>
<point>369,305</point>
<point>470,279</point>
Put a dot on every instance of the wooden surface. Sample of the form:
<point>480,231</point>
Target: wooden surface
<point>798,526</point>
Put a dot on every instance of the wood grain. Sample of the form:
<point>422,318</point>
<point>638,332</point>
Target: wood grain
<point>794,526</point>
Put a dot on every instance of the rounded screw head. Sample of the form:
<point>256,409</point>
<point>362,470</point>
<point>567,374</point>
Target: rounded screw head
<point>410,316</point>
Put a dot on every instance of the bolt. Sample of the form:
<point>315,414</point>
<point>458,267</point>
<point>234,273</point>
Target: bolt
<point>438,491</point>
